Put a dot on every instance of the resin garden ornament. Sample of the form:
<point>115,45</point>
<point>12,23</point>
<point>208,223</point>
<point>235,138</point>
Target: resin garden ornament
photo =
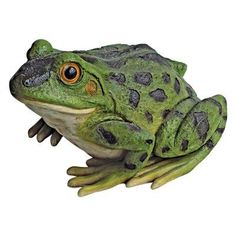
<point>126,106</point>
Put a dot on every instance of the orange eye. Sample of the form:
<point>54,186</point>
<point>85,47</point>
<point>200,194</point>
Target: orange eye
<point>70,73</point>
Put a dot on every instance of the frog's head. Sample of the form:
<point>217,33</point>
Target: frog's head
<point>58,80</point>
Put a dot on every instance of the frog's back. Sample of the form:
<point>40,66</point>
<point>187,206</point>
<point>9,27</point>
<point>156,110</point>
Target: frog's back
<point>144,85</point>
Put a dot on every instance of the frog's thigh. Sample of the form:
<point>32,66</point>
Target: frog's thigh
<point>196,128</point>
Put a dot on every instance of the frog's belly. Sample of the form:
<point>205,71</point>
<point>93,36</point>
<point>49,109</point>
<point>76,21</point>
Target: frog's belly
<point>68,123</point>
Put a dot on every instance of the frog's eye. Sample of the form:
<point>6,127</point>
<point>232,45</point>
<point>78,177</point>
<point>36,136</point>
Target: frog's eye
<point>70,73</point>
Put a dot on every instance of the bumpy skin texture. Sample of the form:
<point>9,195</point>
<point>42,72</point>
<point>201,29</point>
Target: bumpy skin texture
<point>129,108</point>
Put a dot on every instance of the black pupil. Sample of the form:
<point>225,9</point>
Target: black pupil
<point>70,72</point>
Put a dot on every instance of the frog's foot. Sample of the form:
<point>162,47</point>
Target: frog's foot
<point>161,171</point>
<point>94,179</point>
<point>43,131</point>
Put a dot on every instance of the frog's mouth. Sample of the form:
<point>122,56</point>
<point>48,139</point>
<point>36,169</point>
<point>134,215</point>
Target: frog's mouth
<point>42,107</point>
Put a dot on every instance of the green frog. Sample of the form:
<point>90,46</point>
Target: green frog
<point>127,106</point>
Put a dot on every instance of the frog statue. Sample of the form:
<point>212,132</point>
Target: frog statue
<point>126,106</point>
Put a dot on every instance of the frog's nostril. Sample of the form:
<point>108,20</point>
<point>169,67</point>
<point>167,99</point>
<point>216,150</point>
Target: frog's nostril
<point>26,83</point>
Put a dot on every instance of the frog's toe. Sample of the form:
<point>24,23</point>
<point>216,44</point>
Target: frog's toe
<point>171,175</point>
<point>80,181</point>
<point>35,128</point>
<point>43,131</point>
<point>94,162</point>
<point>55,138</point>
<point>105,183</point>
<point>81,171</point>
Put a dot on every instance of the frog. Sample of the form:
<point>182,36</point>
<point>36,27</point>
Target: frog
<point>129,108</point>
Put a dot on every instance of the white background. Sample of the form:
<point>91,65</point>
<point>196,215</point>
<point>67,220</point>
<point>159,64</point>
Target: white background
<point>35,199</point>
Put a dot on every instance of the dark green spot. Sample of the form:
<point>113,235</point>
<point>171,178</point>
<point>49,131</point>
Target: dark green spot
<point>158,95</point>
<point>143,157</point>
<point>149,117</point>
<point>165,113</point>
<point>133,98</point>
<point>130,166</point>
<point>133,127</point>
<point>184,145</point>
<point>177,86</point>
<point>165,149</point>
<point>166,78</point>
<point>107,135</point>
<point>119,78</point>
<point>144,78</point>
<point>220,130</point>
<point>201,123</point>
<point>210,144</point>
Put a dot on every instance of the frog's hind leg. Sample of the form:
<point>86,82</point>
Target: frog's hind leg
<point>165,170</point>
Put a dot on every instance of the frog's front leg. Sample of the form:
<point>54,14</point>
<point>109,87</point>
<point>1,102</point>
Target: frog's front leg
<point>113,134</point>
<point>43,131</point>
